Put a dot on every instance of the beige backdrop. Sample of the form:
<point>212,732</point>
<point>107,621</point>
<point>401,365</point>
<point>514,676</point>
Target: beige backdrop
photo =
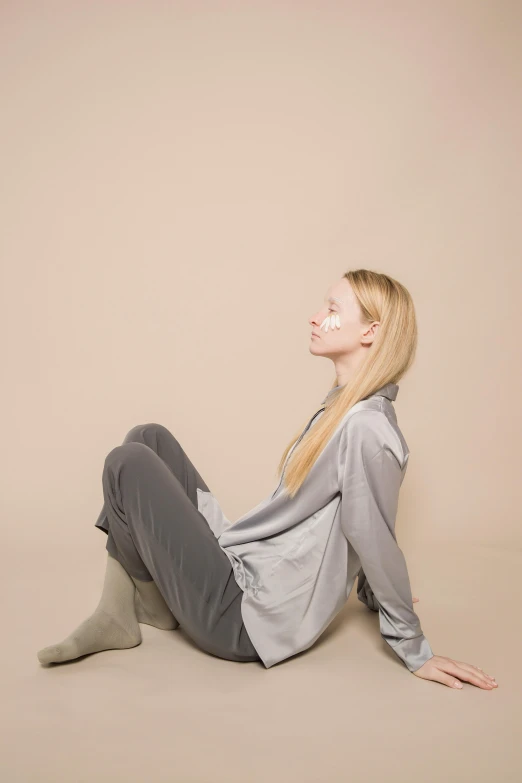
<point>180,184</point>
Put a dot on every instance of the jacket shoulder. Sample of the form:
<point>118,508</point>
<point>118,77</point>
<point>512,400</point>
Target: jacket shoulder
<point>369,430</point>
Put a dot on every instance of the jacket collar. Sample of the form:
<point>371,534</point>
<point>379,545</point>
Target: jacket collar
<point>389,390</point>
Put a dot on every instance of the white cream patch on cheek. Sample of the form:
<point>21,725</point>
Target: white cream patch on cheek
<point>331,321</point>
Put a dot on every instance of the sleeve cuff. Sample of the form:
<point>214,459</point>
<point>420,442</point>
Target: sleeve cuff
<point>413,652</point>
<point>366,596</point>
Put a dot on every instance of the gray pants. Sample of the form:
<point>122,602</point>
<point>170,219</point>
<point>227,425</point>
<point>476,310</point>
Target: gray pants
<point>154,529</point>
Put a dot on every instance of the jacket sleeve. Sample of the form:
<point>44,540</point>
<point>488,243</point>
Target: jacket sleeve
<point>370,476</point>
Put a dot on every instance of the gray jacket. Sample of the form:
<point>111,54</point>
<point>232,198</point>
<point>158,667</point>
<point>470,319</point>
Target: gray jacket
<point>296,559</point>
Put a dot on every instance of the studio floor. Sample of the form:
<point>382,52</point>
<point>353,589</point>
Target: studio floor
<point>347,709</point>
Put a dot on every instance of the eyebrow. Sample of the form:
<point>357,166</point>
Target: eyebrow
<point>334,299</point>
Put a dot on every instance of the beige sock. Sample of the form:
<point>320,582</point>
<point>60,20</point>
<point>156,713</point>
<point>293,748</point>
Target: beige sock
<point>112,626</point>
<point>151,607</point>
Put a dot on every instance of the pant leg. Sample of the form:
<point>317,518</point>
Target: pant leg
<point>161,440</point>
<point>156,532</point>
<point>165,445</point>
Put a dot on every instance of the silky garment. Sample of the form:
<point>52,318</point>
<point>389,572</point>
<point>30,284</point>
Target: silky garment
<point>296,560</point>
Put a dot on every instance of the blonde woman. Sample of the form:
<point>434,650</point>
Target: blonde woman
<point>265,587</point>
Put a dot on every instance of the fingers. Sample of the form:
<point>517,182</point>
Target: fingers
<point>447,679</point>
<point>467,673</point>
<point>451,673</point>
<point>436,671</point>
<point>476,670</point>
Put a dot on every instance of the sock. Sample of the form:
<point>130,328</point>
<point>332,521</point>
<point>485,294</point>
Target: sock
<point>151,607</point>
<point>112,626</point>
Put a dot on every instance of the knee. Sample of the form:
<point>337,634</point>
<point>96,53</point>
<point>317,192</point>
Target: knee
<point>139,429</point>
<point>127,452</point>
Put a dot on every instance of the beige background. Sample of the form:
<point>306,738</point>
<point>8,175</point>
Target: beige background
<point>180,184</point>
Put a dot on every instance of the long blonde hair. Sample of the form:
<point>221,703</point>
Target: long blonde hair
<point>383,299</point>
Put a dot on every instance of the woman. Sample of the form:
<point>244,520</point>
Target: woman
<point>267,586</point>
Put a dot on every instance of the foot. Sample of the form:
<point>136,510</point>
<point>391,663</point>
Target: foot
<point>101,631</point>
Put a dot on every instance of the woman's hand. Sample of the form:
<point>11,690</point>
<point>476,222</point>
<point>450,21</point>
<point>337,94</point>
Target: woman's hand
<point>415,599</point>
<point>445,670</point>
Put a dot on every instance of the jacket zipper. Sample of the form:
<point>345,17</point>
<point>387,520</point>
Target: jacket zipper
<point>296,445</point>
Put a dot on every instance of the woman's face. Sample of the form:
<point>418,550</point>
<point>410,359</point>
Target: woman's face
<point>336,326</point>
